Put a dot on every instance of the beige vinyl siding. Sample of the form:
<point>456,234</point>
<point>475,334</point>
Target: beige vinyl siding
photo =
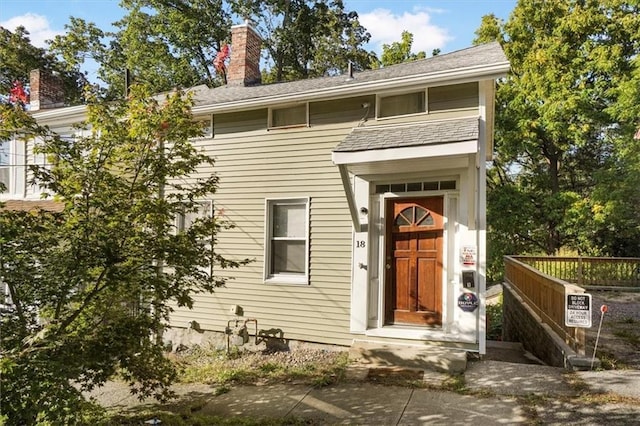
<point>280,163</point>
<point>452,97</point>
<point>238,122</point>
<point>255,164</point>
<point>342,110</point>
<point>432,115</point>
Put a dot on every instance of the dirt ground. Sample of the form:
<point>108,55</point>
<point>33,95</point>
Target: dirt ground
<point>618,346</point>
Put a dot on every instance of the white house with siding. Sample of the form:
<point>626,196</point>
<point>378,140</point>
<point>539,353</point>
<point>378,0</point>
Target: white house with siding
<point>360,197</point>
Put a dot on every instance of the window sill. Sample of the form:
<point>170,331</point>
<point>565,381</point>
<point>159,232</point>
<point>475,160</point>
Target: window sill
<point>287,280</point>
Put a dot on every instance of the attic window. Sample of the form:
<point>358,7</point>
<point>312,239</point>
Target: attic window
<point>297,115</point>
<point>454,96</point>
<point>407,103</point>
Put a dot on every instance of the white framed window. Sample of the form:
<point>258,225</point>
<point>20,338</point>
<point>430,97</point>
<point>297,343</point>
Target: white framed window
<point>6,301</point>
<point>37,159</point>
<point>5,163</point>
<point>185,219</point>
<point>289,116</point>
<point>287,241</point>
<point>206,122</point>
<point>13,167</point>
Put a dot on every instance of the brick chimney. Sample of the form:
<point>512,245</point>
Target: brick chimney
<point>46,90</point>
<point>244,65</point>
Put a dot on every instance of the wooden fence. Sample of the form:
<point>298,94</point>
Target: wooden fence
<point>545,295</point>
<point>589,271</point>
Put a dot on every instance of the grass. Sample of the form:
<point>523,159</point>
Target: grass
<point>494,320</point>
<point>167,418</point>
<point>629,336</point>
<point>608,361</point>
<point>203,365</point>
<point>217,367</point>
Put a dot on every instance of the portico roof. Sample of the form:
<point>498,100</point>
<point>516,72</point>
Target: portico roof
<point>424,133</point>
<point>404,148</point>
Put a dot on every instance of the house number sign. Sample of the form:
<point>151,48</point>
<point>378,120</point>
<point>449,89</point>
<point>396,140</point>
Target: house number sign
<point>360,244</point>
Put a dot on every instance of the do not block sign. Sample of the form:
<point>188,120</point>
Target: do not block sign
<point>578,310</point>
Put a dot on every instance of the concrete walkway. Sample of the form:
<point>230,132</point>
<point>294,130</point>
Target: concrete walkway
<point>496,393</point>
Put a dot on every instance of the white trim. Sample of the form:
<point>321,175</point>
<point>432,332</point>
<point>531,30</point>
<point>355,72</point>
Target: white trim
<point>208,132</point>
<point>16,168</point>
<point>405,153</point>
<point>479,72</point>
<point>412,333</point>
<point>298,279</point>
<point>482,220</point>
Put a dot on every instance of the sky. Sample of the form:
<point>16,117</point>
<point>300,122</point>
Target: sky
<point>446,24</point>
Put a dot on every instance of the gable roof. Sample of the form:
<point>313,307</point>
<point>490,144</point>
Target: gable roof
<point>424,133</point>
<point>483,61</point>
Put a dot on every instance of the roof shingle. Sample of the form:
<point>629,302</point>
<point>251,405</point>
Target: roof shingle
<point>424,133</point>
<point>476,56</point>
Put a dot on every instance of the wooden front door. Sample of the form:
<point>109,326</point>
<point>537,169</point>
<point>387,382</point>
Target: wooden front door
<point>414,261</point>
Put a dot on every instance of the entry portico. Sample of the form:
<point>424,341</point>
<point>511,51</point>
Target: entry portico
<point>418,206</point>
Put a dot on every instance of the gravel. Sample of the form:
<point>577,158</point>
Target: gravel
<point>619,340</point>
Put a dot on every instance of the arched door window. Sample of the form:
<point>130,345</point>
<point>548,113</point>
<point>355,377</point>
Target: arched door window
<point>414,216</point>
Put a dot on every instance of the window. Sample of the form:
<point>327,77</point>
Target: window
<point>442,185</point>
<point>287,244</point>
<point>408,103</point>
<point>5,296</point>
<point>186,219</point>
<point>5,164</point>
<point>12,167</point>
<point>452,97</point>
<point>289,116</point>
<point>206,124</point>
<point>38,159</point>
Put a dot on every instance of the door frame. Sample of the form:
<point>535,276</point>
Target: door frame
<point>391,277</point>
<point>379,237</point>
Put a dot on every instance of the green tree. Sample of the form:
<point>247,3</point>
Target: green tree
<point>91,284</point>
<point>305,39</point>
<point>555,133</point>
<point>163,43</point>
<point>400,51</point>
<point>18,57</point>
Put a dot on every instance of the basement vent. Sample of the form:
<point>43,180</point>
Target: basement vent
<point>440,185</point>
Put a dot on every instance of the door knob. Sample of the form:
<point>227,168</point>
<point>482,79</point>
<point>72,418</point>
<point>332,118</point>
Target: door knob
<point>387,266</point>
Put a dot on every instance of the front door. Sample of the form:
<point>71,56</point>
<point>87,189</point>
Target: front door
<point>413,279</point>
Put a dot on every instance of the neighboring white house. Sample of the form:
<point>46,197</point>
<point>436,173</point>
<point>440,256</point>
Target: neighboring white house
<point>361,197</point>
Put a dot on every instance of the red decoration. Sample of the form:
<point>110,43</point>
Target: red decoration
<point>17,94</point>
<point>221,57</point>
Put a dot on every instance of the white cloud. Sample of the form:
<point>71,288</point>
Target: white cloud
<point>386,28</point>
<point>37,25</point>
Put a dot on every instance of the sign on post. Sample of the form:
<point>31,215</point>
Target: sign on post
<point>578,310</point>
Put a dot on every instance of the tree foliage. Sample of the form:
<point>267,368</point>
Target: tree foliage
<point>557,133</point>
<point>400,51</point>
<point>308,38</point>
<point>18,57</point>
<point>92,283</point>
<point>174,43</point>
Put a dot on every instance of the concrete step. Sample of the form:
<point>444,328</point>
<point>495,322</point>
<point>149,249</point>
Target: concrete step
<point>376,355</point>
